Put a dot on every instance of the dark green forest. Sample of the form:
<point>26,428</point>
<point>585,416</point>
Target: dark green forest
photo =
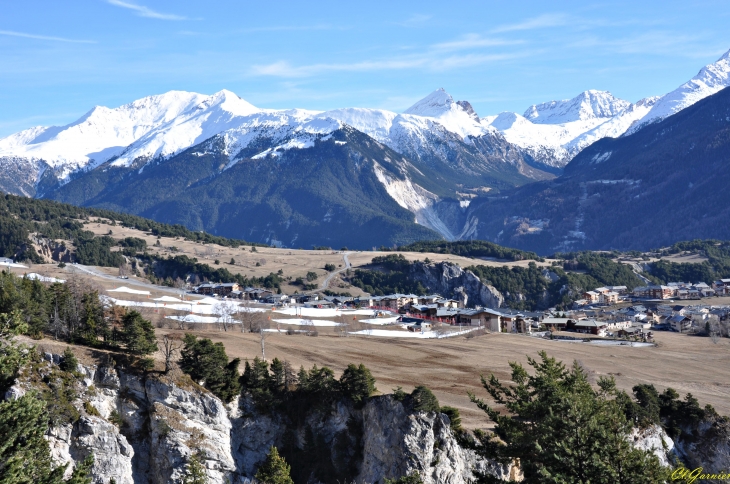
<point>22,216</point>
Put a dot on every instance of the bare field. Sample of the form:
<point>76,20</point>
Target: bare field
<point>293,262</point>
<point>451,367</point>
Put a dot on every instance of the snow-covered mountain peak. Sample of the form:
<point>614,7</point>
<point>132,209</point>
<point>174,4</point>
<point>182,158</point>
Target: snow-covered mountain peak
<point>586,105</point>
<point>711,79</point>
<point>507,120</point>
<point>229,102</point>
<point>434,105</point>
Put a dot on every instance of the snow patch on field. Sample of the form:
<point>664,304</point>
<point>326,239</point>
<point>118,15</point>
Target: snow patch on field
<point>41,278</point>
<point>306,322</point>
<point>408,334</point>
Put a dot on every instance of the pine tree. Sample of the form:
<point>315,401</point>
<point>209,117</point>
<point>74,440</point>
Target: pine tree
<point>69,362</point>
<point>274,470</point>
<point>563,430</point>
<point>207,362</point>
<point>138,334</point>
<point>277,378</point>
<point>195,471</point>
<point>424,400</point>
<point>357,383</point>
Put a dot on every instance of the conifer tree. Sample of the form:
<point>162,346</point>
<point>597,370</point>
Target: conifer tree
<point>562,429</point>
<point>139,335</point>
<point>357,383</point>
<point>69,362</point>
<point>195,471</point>
<point>274,470</point>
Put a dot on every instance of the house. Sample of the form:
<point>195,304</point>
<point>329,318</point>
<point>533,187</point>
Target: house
<point>588,326</point>
<point>592,297</point>
<point>631,331</point>
<point>679,323</point>
<point>721,286</point>
<point>609,297</point>
<point>278,299</point>
<point>6,260</point>
<point>394,302</point>
<point>226,288</point>
<point>655,292</point>
<point>487,318</point>
<point>618,325</point>
<point>621,290</point>
<point>447,303</point>
<point>424,300</point>
<point>447,315</point>
<point>556,324</point>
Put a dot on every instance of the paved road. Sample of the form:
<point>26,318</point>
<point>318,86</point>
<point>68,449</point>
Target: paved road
<point>326,282</point>
<point>122,282</point>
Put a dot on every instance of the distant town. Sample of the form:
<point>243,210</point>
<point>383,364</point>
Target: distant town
<point>605,312</point>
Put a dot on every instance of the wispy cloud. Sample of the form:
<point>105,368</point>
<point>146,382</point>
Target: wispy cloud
<point>466,51</point>
<point>284,28</point>
<point>415,20</point>
<point>427,62</point>
<point>143,11</point>
<point>656,43</point>
<point>539,22</point>
<point>12,33</point>
<point>473,41</point>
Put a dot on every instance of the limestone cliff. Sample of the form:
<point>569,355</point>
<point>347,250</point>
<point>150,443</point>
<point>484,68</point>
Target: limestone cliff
<point>143,429</point>
<point>452,281</point>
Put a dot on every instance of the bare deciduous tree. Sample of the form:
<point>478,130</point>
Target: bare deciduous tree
<point>249,317</point>
<point>171,344</point>
<point>225,311</point>
<point>181,286</point>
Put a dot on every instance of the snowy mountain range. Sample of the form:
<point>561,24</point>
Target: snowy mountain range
<point>464,154</point>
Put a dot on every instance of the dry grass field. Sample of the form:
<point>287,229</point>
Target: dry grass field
<point>293,262</point>
<point>451,367</point>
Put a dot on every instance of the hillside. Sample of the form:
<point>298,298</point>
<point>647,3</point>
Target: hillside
<point>665,183</point>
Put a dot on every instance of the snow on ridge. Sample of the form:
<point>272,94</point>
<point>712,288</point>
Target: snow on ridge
<point>709,80</point>
<point>586,105</point>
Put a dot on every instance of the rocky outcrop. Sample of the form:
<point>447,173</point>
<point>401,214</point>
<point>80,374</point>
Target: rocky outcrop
<point>144,430</point>
<point>112,453</point>
<point>454,282</point>
<point>398,442</point>
<point>706,445</point>
<point>655,440</point>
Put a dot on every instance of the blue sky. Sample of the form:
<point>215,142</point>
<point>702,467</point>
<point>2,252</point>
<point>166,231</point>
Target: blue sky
<point>58,59</point>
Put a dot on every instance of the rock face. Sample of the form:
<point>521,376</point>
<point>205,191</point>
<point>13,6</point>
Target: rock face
<point>398,443</point>
<point>707,445</point>
<point>656,440</point>
<point>144,431</point>
<point>453,281</point>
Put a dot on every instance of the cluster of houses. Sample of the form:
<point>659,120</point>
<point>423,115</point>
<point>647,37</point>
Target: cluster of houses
<point>590,316</point>
<point>674,290</point>
<point>683,290</point>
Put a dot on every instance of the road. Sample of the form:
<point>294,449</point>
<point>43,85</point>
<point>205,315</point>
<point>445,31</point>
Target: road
<point>326,282</point>
<point>122,282</point>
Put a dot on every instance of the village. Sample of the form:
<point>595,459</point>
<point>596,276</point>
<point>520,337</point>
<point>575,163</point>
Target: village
<point>605,312</point>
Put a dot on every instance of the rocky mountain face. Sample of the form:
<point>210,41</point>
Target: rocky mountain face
<point>452,281</point>
<point>665,183</point>
<point>143,430</point>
